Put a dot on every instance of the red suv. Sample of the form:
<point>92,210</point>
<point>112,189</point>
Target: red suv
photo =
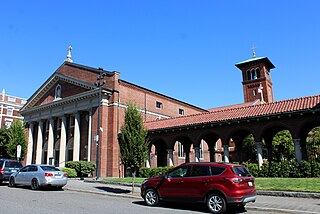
<point>215,184</point>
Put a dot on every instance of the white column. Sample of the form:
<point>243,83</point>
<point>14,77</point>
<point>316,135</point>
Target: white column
<point>30,144</point>
<point>170,157</point>
<point>197,154</point>
<point>259,153</point>
<point>89,136</point>
<point>50,140</point>
<point>226,153</point>
<point>76,138</point>
<point>148,160</point>
<point>39,142</point>
<point>297,149</point>
<point>63,141</point>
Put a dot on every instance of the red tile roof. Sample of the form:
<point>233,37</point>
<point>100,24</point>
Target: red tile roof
<point>225,114</point>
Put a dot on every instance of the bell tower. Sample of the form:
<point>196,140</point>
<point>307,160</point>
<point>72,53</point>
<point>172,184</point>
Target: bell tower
<point>256,79</point>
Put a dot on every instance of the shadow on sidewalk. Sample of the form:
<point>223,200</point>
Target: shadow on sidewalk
<point>113,190</point>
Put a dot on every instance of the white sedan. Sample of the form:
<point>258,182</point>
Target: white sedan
<point>39,175</point>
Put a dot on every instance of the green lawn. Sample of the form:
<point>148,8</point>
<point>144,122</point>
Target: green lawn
<point>289,184</point>
<point>280,184</point>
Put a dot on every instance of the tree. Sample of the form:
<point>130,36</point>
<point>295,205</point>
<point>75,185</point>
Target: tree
<point>132,141</point>
<point>313,144</point>
<point>16,136</point>
<point>283,146</point>
<point>4,138</point>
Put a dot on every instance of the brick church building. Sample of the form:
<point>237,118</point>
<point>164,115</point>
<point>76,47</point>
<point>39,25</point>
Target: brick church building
<point>62,117</point>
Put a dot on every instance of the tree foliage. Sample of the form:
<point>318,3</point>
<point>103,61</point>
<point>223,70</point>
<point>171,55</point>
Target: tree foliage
<point>4,139</point>
<point>313,144</point>
<point>16,136</point>
<point>132,139</point>
<point>283,146</point>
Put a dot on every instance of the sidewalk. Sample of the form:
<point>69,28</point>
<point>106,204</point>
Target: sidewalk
<point>285,202</point>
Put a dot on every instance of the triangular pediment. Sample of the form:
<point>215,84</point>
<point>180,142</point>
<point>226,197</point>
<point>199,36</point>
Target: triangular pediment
<point>56,88</point>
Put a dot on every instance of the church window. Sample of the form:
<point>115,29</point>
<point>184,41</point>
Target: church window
<point>258,72</point>
<point>58,92</point>
<point>254,92</point>
<point>248,75</point>
<point>253,74</point>
<point>159,105</point>
<point>181,111</point>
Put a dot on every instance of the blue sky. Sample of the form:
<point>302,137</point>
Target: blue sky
<point>181,48</point>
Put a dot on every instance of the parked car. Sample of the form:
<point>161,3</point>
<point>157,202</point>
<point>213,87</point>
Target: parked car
<point>7,167</point>
<point>39,175</point>
<point>218,185</point>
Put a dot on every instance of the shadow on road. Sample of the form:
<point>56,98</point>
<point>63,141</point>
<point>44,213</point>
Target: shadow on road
<point>192,207</point>
<point>113,190</point>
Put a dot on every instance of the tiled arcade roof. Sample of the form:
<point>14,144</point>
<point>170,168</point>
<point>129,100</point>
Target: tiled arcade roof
<point>225,114</point>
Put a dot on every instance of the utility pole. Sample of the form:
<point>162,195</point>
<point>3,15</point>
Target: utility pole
<point>100,82</point>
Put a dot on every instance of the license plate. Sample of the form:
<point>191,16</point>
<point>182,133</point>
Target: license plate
<point>250,184</point>
<point>13,170</point>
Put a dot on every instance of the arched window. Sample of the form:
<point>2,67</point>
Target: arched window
<point>58,92</point>
<point>253,74</point>
<point>248,75</point>
<point>258,72</point>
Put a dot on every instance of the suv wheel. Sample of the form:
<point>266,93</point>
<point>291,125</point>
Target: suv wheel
<point>11,182</point>
<point>151,197</point>
<point>216,203</point>
<point>34,184</point>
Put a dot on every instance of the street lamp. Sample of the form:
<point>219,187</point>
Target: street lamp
<point>100,82</point>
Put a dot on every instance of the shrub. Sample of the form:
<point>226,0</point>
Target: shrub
<point>305,169</point>
<point>285,169</point>
<point>70,172</point>
<point>159,170</point>
<point>315,169</point>
<point>253,168</point>
<point>83,168</point>
<point>295,169</point>
<point>144,172</point>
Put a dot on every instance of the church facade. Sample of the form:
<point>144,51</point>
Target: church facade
<point>62,116</point>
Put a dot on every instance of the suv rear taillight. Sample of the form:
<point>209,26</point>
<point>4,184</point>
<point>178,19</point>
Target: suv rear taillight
<point>48,174</point>
<point>1,170</point>
<point>234,180</point>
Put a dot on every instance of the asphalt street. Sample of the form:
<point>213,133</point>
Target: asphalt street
<point>269,202</point>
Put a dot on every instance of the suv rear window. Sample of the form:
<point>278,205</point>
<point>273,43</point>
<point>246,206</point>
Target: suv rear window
<point>12,164</point>
<point>241,171</point>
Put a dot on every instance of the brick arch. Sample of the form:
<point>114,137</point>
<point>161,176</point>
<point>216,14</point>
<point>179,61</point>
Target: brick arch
<point>158,152</point>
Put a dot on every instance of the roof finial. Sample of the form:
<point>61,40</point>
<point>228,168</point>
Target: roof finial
<point>69,54</point>
<point>253,48</point>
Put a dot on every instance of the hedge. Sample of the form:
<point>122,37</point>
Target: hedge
<point>82,168</point>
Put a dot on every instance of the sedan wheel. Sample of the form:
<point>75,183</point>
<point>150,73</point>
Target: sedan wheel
<point>11,182</point>
<point>151,197</point>
<point>216,203</point>
<point>34,184</point>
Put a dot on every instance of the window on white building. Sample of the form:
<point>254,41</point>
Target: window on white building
<point>11,99</point>
<point>8,123</point>
<point>10,111</point>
